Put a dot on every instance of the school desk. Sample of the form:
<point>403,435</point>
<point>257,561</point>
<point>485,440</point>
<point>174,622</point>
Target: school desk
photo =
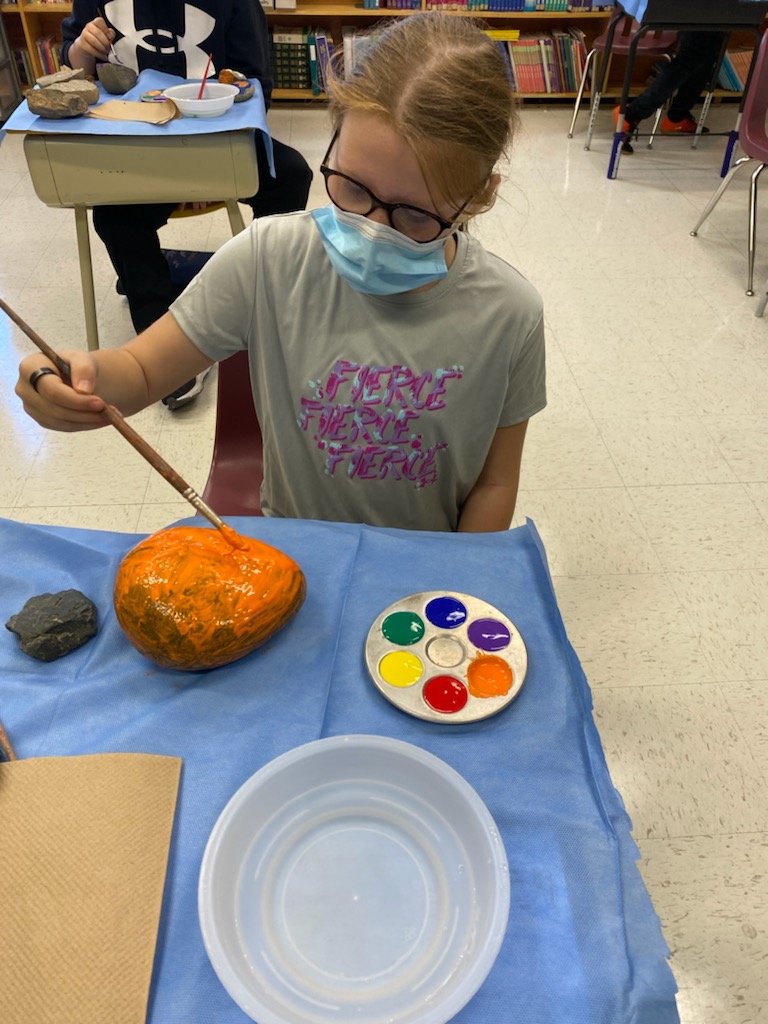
<point>583,944</point>
<point>689,16</point>
<point>82,162</point>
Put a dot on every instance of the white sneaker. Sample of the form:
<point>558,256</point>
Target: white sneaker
<point>187,392</point>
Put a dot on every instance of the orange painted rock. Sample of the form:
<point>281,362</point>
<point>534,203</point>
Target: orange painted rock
<point>189,600</point>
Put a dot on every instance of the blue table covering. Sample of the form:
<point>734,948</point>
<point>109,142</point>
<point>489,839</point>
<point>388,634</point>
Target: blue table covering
<point>583,945</point>
<point>250,115</point>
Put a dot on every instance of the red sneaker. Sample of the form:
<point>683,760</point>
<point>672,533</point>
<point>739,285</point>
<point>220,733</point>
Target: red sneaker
<point>686,126</point>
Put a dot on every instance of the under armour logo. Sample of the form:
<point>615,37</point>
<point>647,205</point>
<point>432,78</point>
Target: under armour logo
<point>198,27</point>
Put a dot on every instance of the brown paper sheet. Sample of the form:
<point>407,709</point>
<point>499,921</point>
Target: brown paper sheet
<point>83,854</point>
<point>135,110</point>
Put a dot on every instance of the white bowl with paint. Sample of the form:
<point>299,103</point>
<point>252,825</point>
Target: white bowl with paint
<point>217,98</point>
<point>355,878</point>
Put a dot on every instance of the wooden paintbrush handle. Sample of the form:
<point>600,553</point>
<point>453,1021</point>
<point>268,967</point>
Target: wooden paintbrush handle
<point>118,421</point>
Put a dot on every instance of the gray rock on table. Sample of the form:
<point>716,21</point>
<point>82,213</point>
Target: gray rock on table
<point>53,104</point>
<point>88,90</point>
<point>51,625</point>
<point>117,79</point>
<point>65,75</point>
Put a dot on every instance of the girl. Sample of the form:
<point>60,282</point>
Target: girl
<point>394,362</point>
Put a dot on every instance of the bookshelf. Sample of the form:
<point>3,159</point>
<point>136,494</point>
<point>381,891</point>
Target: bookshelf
<point>26,21</point>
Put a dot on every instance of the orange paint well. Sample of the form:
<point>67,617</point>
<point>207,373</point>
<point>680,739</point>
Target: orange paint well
<point>489,676</point>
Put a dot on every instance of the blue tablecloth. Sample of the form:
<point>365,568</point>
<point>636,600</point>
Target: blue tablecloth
<point>249,115</point>
<point>583,945</point>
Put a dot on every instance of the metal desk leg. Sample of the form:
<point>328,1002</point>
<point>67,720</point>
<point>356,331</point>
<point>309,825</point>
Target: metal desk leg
<point>236,222</point>
<point>86,277</point>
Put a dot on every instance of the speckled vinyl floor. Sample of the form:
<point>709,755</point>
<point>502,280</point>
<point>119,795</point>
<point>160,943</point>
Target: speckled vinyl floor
<point>647,477</point>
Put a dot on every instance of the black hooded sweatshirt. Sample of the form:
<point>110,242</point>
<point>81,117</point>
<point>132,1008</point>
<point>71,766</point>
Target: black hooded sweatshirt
<point>176,37</point>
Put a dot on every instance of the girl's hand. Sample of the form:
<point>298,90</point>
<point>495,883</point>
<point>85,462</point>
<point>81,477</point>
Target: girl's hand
<point>56,405</point>
<point>96,39</point>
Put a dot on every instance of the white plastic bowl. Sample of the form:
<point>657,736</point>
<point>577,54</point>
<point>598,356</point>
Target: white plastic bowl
<point>217,98</point>
<point>356,878</point>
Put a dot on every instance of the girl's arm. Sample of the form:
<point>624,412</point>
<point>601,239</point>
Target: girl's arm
<point>131,377</point>
<point>491,502</point>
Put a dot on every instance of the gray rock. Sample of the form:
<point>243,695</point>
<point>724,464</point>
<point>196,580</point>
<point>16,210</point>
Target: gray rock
<point>88,90</point>
<point>54,104</point>
<point>116,78</point>
<point>65,75</point>
<point>51,625</point>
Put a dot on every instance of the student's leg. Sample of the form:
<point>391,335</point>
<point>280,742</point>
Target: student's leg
<point>130,236</point>
<point>658,92</point>
<point>288,191</point>
<point>703,51</point>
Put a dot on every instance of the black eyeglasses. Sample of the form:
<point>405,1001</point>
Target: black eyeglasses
<point>353,197</point>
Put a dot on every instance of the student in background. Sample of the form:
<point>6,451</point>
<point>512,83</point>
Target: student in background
<point>176,38</point>
<point>395,363</point>
<point>684,78</point>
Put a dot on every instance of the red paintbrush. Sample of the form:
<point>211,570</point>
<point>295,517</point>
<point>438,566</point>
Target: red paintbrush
<point>207,69</point>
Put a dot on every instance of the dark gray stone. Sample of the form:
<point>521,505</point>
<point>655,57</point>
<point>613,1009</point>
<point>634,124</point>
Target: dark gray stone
<point>51,625</point>
<point>116,78</point>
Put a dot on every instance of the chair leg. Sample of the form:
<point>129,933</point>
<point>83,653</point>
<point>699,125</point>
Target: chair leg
<point>598,80</point>
<point>720,189</point>
<point>763,302</point>
<point>655,128</point>
<point>236,222</point>
<point>752,227</point>
<point>659,112</point>
<point>702,118</point>
<point>580,93</point>
<point>86,278</point>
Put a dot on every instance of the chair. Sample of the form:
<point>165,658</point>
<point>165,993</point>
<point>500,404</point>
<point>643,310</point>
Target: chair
<point>237,469</point>
<point>754,142</point>
<point>616,41</point>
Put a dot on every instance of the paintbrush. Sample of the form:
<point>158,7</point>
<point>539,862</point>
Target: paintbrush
<point>112,49</point>
<point>142,447</point>
<point>207,69</point>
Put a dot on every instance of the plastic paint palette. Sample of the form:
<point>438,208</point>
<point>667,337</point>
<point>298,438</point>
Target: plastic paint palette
<point>446,657</point>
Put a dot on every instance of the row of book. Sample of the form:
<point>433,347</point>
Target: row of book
<point>392,5</point>
<point>300,57</point>
<point>24,69</point>
<point>734,70</point>
<point>549,63</point>
<point>49,52</point>
<point>507,6</point>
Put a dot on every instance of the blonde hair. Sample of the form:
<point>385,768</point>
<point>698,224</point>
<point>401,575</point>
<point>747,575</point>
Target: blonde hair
<point>442,85</point>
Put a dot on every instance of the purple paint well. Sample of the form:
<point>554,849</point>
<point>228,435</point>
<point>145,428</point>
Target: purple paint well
<point>446,612</point>
<point>488,634</point>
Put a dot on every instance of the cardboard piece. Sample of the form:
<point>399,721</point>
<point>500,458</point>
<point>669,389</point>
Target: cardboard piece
<point>84,849</point>
<point>133,110</point>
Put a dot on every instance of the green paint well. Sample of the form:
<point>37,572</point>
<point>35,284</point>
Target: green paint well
<point>403,628</point>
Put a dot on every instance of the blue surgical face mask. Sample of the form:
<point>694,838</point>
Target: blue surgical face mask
<point>374,258</point>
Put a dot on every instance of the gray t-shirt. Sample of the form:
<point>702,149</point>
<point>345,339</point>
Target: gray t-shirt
<point>374,409</point>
